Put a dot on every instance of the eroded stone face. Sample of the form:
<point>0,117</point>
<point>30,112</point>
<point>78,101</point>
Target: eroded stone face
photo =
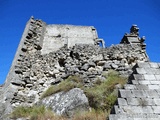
<point>56,36</point>
<point>66,103</point>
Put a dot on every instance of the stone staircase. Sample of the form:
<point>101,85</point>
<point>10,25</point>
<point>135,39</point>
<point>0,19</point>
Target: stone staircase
<point>140,98</point>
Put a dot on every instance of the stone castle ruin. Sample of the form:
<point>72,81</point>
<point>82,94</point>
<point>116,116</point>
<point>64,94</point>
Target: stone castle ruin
<point>48,54</point>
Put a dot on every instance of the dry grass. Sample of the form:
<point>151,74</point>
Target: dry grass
<point>101,95</point>
<point>101,98</point>
<point>35,113</point>
<point>40,113</point>
<point>92,115</point>
<point>66,85</point>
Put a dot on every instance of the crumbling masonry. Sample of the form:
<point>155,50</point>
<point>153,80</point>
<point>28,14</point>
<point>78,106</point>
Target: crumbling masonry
<point>48,54</point>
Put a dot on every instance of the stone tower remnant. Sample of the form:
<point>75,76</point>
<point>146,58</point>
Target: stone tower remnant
<point>133,37</point>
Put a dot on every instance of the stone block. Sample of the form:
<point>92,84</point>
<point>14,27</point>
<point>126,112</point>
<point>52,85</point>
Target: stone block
<point>113,117</point>
<point>146,102</point>
<point>140,71</point>
<point>138,77</point>
<point>155,82</point>
<point>135,82</point>
<point>117,109</point>
<point>144,82</point>
<point>133,101</point>
<point>129,86</point>
<point>119,117</point>
<point>156,101</point>
<point>152,87</point>
<point>149,77</point>
<point>154,65</point>
<point>138,93</point>
<point>156,109</point>
<point>142,87</point>
<point>158,91</point>
<point>125,93</point>
<point>122,101</point>
<point>151,94</point>
<point>131,109</point>
<point>146,109</point>
<point>137,109</point>
<point>137,116</point>
<point>143,65</point>
<point>149,71</point>
<point>157,77</point>
<point>156,71</point>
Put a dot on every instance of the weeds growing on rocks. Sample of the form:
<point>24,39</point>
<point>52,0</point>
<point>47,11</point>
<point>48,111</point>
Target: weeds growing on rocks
<point>101,96</point>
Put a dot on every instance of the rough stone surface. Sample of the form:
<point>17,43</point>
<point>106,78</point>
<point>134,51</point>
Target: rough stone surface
<point>67,103</point>
<point>40,62</point>
<point>141,95</point>
<point>60,35</point>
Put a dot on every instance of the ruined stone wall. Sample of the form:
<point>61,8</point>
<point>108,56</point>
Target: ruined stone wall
<point>32,72</point>
<point>87,61</point>
<point>31,42</point>
<point>56,36</point>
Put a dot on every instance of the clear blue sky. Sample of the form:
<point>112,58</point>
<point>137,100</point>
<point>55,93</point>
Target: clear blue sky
<point>111,18</point>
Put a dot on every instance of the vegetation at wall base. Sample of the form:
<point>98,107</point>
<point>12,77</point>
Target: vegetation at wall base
<point>66,85</point>
<point>40,113</point>
<point>32,113</point>
<point>101,98</point>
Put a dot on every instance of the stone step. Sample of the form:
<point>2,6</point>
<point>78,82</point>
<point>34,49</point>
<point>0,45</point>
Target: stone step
<point>139,101</point>
<point>146,82</point>
<point>140,98</point>
<point>148,77</point>
<point>142,65</point>
<point>136,86</point>
<point>147,65</point>
<point>148,71</point>
<point>130,93</point>
<point>134,117</point>
<point>131,109</point>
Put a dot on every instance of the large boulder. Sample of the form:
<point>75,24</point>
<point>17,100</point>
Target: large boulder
<point>67,103</point>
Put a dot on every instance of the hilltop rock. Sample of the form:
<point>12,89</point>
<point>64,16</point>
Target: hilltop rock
<point>67,103</point>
